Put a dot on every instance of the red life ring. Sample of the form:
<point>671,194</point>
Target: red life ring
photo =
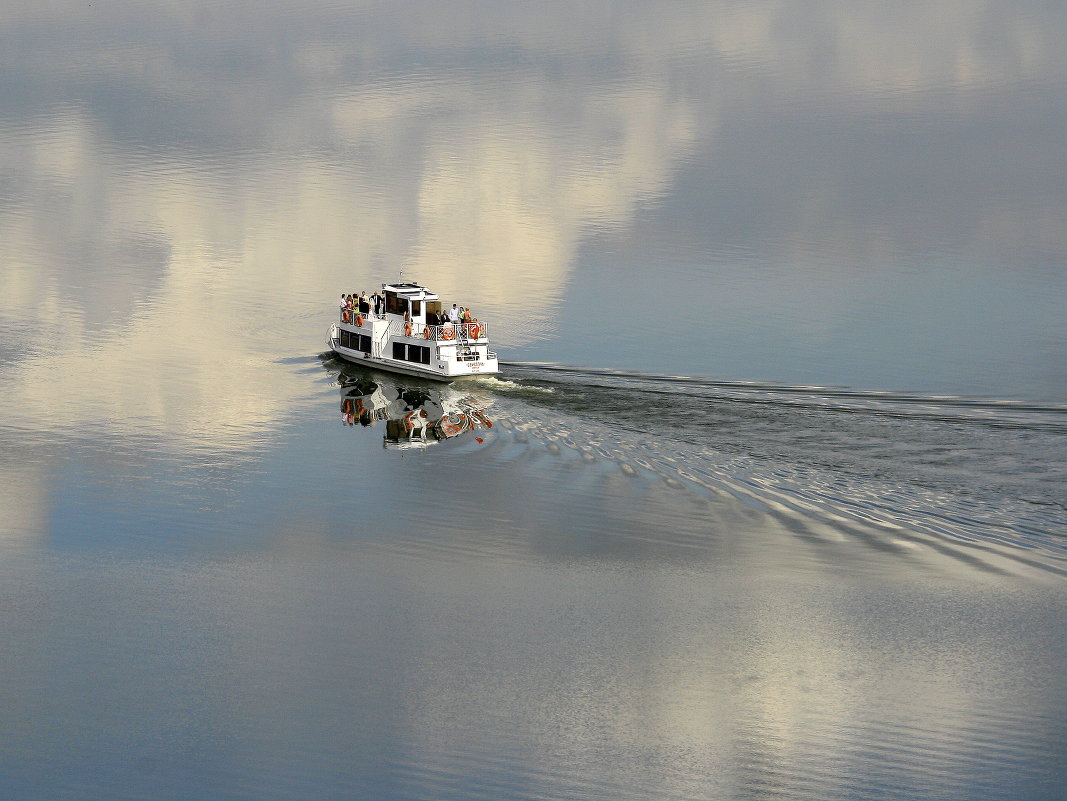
<point>473,330</point>
<point>426,332</point>
<point>407,328</point>
<point>359,320</point>
<point>448,332</point>
<point>344,316</point>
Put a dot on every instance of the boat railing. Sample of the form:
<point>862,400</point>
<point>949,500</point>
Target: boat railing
<point>349,316</point>
<point>449,332</point>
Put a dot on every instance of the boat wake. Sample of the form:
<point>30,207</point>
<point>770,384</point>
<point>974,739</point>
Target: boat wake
<point>1004,412</point>
<point>495,384</point>
<point>989,473</point>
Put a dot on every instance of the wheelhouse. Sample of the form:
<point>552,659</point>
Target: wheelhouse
<point>412,300</point>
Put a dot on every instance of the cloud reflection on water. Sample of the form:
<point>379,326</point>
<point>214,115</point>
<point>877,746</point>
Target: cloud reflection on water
<point>154,233</point>
<point>184,190</point>
<point>203,173</point>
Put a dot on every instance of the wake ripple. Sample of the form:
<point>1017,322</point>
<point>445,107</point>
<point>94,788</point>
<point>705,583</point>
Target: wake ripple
<point>991,474</point>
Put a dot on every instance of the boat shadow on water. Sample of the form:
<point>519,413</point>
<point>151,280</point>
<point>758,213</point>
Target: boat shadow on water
<point>415,413</point>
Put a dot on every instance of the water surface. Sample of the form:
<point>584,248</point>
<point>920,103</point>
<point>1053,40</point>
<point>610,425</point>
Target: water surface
<point>768,501</point>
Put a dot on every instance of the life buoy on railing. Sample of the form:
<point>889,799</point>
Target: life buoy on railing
<point>426,332</point>
<point>344,315</point>
<point>407,328</point>
<point>473,330</point>
<point>359,320</point>
<point>448,332</point>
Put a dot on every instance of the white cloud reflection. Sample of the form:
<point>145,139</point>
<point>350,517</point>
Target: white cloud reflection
<point>195,185</point>
<point>193,170</point>
<point>487,203</point>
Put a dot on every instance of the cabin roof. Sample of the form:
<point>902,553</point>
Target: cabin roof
<point>409,290</point>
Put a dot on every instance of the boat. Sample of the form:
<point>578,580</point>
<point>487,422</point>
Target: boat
<point>414,415</point>
<point>406,330</point>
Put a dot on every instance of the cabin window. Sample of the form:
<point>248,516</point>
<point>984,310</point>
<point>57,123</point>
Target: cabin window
<point>394,304</point>
<point>349,339</point>
<point>404,352</point>
<point>416,308</point>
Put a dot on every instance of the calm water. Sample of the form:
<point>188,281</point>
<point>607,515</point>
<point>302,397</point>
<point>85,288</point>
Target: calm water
<point>770,500</point>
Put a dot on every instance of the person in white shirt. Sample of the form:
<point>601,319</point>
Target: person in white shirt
<point>453,314</point>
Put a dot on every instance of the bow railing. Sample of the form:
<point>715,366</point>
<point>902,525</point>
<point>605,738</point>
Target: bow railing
<point>350,315</point>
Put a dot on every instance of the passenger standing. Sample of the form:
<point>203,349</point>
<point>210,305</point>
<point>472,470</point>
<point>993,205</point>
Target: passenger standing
<point>453,315</point>
<point>364,306</point>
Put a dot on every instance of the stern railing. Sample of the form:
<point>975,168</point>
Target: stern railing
<point>449,332</point>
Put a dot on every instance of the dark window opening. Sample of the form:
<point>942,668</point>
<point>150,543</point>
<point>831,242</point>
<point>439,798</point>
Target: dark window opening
<point>404,352</point>
<point>394,304</point>
<point>348,339</point>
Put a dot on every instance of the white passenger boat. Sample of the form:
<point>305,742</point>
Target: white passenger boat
<point>406,330</point>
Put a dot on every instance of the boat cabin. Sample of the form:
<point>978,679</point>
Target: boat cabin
<point>411,299</point>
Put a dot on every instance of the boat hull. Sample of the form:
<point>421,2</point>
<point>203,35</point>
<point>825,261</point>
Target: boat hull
<point>469,370</point>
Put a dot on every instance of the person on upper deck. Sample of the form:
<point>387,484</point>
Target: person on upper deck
<point>453,314</point>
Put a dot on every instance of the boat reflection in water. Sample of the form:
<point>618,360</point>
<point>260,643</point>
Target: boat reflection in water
<point>415,414</point>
